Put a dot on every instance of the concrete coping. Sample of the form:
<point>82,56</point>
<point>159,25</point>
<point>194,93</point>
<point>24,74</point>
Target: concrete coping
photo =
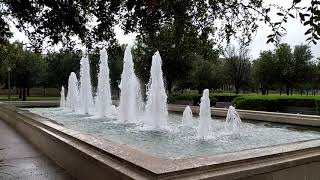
<point>123,157</point>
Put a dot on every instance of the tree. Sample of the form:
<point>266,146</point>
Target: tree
<point>92,21</point>
<point>285,63</point>
<point>205,74</point>
<point>264,71</point>
<point>60,65</point>
<point>115,59</point>
<point>26,72</point>
<point>302,56</point>
<point>177,61</point>
<point>237,66</point>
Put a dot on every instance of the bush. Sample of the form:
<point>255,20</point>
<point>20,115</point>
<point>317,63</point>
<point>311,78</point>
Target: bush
<point>297,102</point>
<point>255,104</point>
<point>194,98</point>
<point>275,103</point>
<point>225,97</point>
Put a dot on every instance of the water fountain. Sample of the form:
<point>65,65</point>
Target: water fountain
<point>130,95</point>
<point>187,116</point>
<point>156,106</point>
<point>103,99</point>
<point>73,92</point>
<point>204,128</point>
<point>178,153</point>
<point>86,100</point>
<point>233,120</point>
<point>62,98</point>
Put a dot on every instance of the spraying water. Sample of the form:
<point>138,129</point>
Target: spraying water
<point>86,100</point>
<point>233,120</point>
<point>187,116</point>
<point>73,92</point>
<point>130,91</point>
<point>103,99</point>
<point>156,107</point>
<point>62,98</point>
<point>205,116</point>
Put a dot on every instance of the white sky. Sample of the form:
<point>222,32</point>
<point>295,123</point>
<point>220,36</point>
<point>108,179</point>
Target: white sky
<point>295,34</point>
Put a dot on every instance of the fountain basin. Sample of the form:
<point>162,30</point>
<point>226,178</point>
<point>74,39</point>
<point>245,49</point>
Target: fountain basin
<point>87,157</point>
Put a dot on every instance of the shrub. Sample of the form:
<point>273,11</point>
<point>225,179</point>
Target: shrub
<point>194,98</point>
<point>225,97</point>
<point>275,103</point>
<point>255,104</point>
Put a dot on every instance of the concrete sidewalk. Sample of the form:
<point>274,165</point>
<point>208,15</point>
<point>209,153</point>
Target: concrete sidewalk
<point>20,160</point>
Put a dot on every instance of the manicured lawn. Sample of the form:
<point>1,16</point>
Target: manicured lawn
<point>279,96</point>
<point>31,98</point>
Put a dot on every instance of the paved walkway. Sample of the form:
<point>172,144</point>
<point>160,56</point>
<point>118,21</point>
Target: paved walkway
<point>20,160</point>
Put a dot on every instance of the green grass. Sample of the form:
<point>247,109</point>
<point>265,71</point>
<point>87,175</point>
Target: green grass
<point>31,98</point>
<point>280,97</point>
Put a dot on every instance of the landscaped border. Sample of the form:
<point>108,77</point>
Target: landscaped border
<point>87,157</point>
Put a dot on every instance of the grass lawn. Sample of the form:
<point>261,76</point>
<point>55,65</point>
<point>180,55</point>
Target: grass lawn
<point>279,96</point>
<point>31,98</point>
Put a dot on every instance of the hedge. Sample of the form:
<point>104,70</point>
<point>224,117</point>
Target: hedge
<point>270,103</point>
<point>225,97</point>
<point>194,98</point>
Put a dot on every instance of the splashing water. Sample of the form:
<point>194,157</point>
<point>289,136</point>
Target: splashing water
<point>156,106</point>
<point>205,116</point>
<point>233,120</point>
<point>62,98</point>
<point>130,95</point>
<point>86,100</point>
<point>73,92</point>
<point>187,116</point>
<point>103,99</point>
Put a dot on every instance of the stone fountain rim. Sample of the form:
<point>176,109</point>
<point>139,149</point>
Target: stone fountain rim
<point>157,165</point>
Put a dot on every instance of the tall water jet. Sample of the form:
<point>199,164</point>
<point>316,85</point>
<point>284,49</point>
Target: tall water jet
<point>72,101</point>
<point>233,120</point>
<point>86,100</point>
<point>130,91</point>
<point>62,98</point>
<point>187,116</point>
<point>156,106</point>
<point>103,99</point>
<point>205,116</point>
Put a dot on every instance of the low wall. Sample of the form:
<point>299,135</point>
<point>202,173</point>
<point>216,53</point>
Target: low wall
<point>86,157</point>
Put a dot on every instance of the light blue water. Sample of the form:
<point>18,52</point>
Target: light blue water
<point>180,142</point>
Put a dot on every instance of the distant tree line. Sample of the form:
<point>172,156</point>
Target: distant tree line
<point>284,69</point>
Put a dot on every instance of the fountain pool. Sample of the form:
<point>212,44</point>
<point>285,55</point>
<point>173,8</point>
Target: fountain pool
<point>180,141</point>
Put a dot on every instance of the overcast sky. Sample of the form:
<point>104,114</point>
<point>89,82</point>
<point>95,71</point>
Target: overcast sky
<point>295,34</point>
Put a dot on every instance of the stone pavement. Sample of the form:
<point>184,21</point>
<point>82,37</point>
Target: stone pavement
<point>20,160</point>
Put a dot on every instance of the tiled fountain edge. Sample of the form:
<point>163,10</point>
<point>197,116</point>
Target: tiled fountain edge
<point>86,157</point>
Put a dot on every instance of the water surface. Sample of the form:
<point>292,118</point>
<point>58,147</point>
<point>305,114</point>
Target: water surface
<point>180,141</point>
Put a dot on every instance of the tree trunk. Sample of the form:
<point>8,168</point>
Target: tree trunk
<point>24,94</point>
<point>267,91</point>
<point>287,90</point>
<point>28,92</point>
<point>44,91</point>
<point>263,91</point>
<point>20,93</point>
<point>237,89</point>
<point>291,91</point>
<point>169,87</point>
